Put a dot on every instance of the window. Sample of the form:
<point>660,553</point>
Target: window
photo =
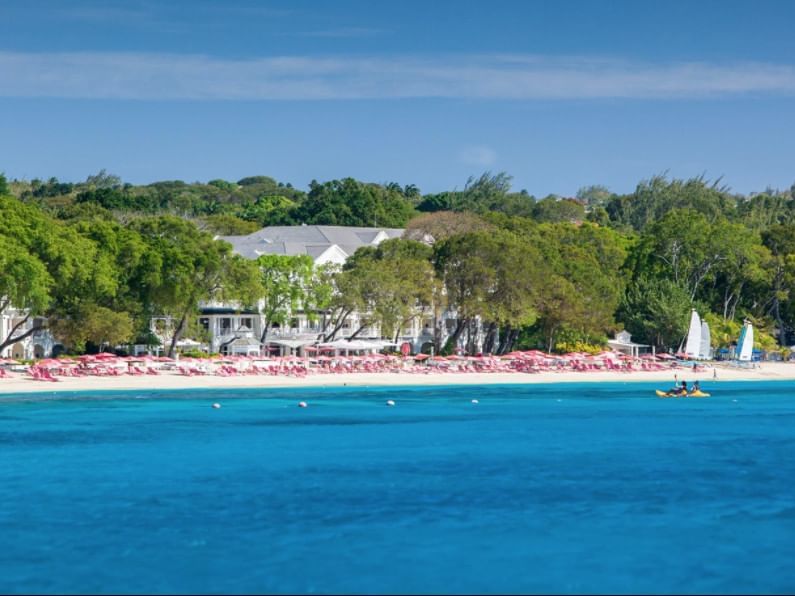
<point>247,322</point>
<point>205,323</point>
<point>226,325</point>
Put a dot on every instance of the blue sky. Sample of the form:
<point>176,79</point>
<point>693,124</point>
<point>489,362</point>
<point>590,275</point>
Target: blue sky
<point>558,94</point>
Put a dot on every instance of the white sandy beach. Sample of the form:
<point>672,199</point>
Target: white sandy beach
<point>19,383</point>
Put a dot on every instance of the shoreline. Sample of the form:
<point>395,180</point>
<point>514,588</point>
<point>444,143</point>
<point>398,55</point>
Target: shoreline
<point>768,371</point>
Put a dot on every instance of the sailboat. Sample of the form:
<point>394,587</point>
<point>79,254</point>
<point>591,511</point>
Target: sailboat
<point>745,345</point>
<point>693,345</point>
<point>705,348</point>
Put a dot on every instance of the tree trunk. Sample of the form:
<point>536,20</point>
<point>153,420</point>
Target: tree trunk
<point>550,338</point>
<point>337,325</point>
<point>782,332</point>
<point>177,333</point>
<point>491,337</point>
<point>358,331</point>
<point>507,340</point>
<point>472,334</point>
<point>512,340</point>
<point>268,326</point>
<point>459,328</point>
<point>11,339</point>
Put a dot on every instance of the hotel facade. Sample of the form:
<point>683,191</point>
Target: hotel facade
<point>231,330</point>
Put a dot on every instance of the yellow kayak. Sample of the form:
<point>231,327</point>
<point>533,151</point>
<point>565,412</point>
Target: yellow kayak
<point>691,394</point>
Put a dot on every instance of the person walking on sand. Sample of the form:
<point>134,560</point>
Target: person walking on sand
<point>714,374</point>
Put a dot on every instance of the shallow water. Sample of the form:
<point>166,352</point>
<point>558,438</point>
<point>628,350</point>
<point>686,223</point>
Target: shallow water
<point>557,488</point>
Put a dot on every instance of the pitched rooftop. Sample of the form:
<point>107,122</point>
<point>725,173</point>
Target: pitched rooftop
<point>308,240</point>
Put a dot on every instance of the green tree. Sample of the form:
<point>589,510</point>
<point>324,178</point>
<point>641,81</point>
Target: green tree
<point>655,197</point>
<point>761,211</point>
<point>75,273</point>
<point>189,267</point>
<point>228,225</point>
<point>4,189</point>
<point>484,193</point>
<point>349,202</point>
<point>24,284</point>
<point>269,210</point>
<point>494,276</point>
<point>656,311</point>
<point>594,196</point>
<point>779,301</point>
<point>682,247</point>
<point>552,209</point>
<point>288,285</point>
<point>95,324</point>
<point>489,192</point>
<point>103,180</point>
<point>389,285</point>
<point>440,225</point>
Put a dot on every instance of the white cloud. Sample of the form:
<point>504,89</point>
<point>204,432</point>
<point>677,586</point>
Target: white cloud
<point>478,155</point>
<point>178,76</point>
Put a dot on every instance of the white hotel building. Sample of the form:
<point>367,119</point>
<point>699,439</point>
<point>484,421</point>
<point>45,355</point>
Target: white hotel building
<point>233,331</point>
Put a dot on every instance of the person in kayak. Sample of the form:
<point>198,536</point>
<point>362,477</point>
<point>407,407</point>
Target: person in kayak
<point>696,387</point>
<point>679,389</point>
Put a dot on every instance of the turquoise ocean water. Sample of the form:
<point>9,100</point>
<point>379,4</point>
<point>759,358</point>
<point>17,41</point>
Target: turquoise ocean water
<point>558,488</point>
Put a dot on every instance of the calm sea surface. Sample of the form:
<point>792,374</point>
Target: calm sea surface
<point>560,488</point>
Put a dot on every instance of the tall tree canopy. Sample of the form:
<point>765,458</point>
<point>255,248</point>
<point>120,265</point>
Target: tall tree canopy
<point>348,202</point>
<point>188,266</point>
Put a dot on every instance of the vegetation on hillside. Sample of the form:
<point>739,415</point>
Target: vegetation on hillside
<point>96,260</point>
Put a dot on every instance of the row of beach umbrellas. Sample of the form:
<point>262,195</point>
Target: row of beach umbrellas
<point>528,355</point>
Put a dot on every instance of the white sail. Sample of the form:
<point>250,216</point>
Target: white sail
<point>746,348</point>
<point>705,349</point>
<point>693,336</point>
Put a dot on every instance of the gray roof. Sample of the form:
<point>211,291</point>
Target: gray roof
<point>305,240</point>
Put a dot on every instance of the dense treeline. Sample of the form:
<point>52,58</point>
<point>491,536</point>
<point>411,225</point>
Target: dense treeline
<point>95,260</point>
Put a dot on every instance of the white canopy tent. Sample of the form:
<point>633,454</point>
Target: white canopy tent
<point>292,344</point>
<point>357,345</point>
